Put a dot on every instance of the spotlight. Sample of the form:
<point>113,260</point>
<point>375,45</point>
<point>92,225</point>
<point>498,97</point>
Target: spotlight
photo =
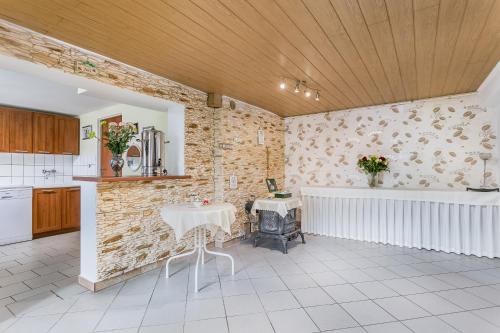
<point>282,84</point>
<point>297,87</point>
<point>317,96</point>
<point>307,93</point>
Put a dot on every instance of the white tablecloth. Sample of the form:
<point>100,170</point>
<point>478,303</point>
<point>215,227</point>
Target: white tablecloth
<point>412,218</point>
<point>451,197</point>
<point>281,206</point>
<point>184,217</point>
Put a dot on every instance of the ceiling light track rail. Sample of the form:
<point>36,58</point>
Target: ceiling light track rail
<point>299,86</point>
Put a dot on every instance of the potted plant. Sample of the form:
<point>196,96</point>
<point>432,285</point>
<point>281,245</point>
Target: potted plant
<point>117,141</point>
<point>372,166</point>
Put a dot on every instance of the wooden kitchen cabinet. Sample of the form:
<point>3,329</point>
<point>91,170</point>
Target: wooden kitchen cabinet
<point>47,210</point>
<point>71,208</point>
<point>55,210</point>
<point>23,131</point>
<point>43,133</point>
<point>4,129</point>
<point>67,135</point>
<point>20,131</point>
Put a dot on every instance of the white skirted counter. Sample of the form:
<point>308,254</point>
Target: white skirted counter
<point>450,221</point>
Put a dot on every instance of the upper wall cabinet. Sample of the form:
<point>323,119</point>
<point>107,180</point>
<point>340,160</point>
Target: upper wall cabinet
<point>4,130</point>
<point>67,135</point>
<point>43,133</point>
<point>21,131</point>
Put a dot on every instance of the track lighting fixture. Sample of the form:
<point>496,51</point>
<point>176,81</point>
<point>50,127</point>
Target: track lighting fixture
<point>298,85</point>
<point>282,84</point>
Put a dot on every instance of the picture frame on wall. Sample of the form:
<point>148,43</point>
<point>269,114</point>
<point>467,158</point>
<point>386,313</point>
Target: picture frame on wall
<point>136,128</point>
<point>86,130</point>
<point>271,184</point>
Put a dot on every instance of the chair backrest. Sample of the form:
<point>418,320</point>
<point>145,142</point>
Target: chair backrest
<point>470,189</point>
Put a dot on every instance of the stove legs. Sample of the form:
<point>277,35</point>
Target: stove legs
<point>283,238</point>
<point>302,236</point>
<point>284,241</point>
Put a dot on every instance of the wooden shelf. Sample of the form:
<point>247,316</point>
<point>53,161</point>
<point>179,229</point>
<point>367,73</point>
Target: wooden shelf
<point>126,179</point>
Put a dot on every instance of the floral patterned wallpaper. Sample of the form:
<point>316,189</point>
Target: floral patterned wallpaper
<point>431,144</point>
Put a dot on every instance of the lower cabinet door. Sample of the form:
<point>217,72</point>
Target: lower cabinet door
<point>71,207</point>
<point>47,210</point>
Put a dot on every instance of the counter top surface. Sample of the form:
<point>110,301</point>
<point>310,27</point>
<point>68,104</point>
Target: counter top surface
<point>39,186</point>
<point>125,179</point>
<point>55,186</point>
<point>429,195</point>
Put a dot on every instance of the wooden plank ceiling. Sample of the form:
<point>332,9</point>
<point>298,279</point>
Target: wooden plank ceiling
<point>356,52</point>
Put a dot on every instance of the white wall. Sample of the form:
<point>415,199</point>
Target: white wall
<point>88,232</point>
<point>489,93</point>
<point>89,149</point>
<point>175,135</point>
<point>431,143</point>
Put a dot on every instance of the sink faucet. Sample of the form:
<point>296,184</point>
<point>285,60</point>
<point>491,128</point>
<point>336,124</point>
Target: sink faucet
<point>47,173</point>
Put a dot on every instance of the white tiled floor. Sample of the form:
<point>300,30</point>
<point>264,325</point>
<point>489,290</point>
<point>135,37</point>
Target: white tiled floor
<point>326,285</point>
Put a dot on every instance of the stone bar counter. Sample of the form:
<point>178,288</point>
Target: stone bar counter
<point>122,232</point>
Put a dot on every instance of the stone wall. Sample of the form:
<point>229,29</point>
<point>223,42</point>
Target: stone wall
<point>130,231</point>
<point>250,162</point>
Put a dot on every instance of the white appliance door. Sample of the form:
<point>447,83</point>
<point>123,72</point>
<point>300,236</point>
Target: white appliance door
<point>15,215</point>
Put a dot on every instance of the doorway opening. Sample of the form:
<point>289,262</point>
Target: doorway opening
<point>105,153</point>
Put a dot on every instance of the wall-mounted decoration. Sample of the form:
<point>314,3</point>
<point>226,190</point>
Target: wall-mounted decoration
<point>85,67</point>
<point>136,128</point>
<point>271,184</point>
<point>86,130</point>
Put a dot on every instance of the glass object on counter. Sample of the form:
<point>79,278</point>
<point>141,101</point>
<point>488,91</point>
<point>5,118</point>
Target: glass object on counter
<point>133,157</point>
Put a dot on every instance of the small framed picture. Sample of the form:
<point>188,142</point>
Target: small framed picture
<point>271,184</point>
<point>136,128</point>
<point>86,132</point>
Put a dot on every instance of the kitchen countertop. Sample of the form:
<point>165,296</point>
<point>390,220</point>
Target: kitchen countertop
<point>5,187</point>
<point>39,186</point>
<point>55,186</point>
<point>125,179</point>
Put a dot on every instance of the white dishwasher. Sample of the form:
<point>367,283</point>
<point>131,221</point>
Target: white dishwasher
<point>15,214</point>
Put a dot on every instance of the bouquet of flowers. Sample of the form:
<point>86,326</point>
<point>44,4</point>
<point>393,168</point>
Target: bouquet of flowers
<point>372,166</point>
<point>117,139</point>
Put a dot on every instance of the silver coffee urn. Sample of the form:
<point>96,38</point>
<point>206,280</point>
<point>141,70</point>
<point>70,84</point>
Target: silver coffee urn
<point>153,151</point>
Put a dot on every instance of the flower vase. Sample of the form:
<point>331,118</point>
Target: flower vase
<point>372,179</point>
<point>117,163</point>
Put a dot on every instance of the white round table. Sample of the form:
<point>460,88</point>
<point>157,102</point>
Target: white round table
<point>185,217</point>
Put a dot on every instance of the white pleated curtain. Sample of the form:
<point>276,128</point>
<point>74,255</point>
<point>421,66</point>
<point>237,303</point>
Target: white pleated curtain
<point>449,227</point>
